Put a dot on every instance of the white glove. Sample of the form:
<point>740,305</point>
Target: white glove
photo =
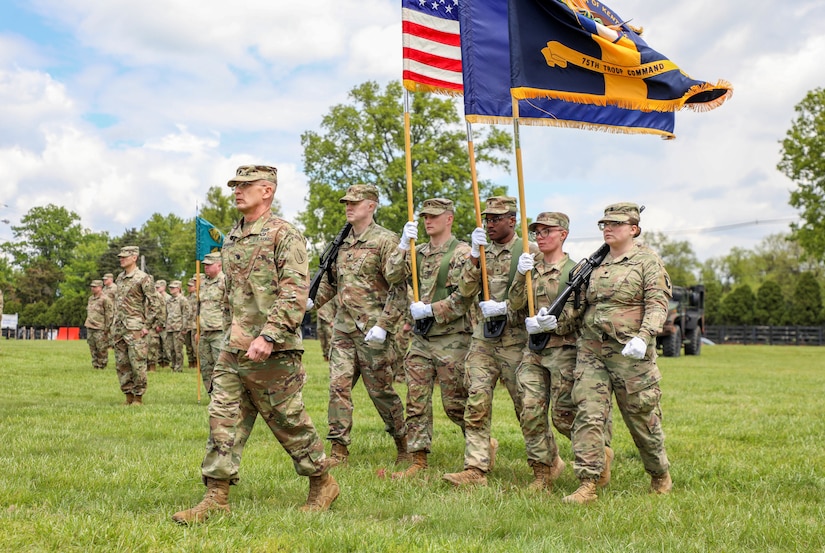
<point>545,320</point>
<point>525,263</point>
<point>376,334</point>
<point>310,304</point>
<point>532,325</point>
<point>421,310</point>
<point>635,348</point>
<point>410,232</point>
<point>492,308</point>
<point>478,238</point>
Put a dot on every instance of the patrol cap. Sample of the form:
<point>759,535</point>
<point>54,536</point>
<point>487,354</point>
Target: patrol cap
<point>211,258</point>
<point>174,284</point>
<point>127,251</point>
<point>551,219</point>
<point>358,192</point>
<point>109,276</point>
<point>624,212</point>
<point>98,283</point>
<point>191,282</point>
<point>252,173</point>
<point>499,205</point>
<point>159,283</point>
<point>436,206</point>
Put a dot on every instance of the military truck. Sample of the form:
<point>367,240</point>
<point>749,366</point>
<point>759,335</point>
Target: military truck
<point>685,322</point>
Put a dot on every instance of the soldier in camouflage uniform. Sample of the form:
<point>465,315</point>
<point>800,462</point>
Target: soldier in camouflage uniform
<point>439,353</point>
<point>155,355</point>
<point>368,309</point>
<point>326,315</point>
<point>491,359</point>
<point>259,370</point>
<point>213,317</point>
<point>137,307</point>
<point>164,353</point>
<point>177,317</point>
<point>99,313</point>
<point>545,377</point>
<point>109,286</point>
<point>189,339</point>
<point>626,306</point>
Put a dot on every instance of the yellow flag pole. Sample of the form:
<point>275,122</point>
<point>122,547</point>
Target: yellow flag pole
<point>198,323</point>
<point>482,260</point>
<point>523,208</point>
<point>410,205</point>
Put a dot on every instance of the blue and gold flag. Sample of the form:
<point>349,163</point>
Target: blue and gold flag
<point>582,51</point>
<point>207,238</point>
<point>485,51</point>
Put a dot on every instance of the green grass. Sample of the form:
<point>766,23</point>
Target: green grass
<point>81,472</point>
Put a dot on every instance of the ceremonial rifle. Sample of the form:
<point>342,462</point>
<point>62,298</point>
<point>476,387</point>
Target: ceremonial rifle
<point>327,259</point>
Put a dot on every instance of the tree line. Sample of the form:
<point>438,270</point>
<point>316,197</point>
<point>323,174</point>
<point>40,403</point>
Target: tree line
<point>45,271</point>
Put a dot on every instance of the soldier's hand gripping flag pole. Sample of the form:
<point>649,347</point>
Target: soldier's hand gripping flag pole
<point>410,205</point>
<point>522,208</point>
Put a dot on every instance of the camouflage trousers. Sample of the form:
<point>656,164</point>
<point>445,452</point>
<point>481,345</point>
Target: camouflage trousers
<point>545,381</point>
<point>174,341</point>
<point>98,341</point>
<point>241,390</point>
<point>189,344</point>
<point>164,357</point>
<point>434,358</point>
<point>209,349</point>
<point>351,358</point>
<point>153,356</point>
<point>130,361</point>
<point>402,346</point>
<point>324,330</point>
<point>486,363</point>
<point>601,371</point>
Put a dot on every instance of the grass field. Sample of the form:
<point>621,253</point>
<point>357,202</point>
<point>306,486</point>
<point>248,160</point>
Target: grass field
<point>80,472</point>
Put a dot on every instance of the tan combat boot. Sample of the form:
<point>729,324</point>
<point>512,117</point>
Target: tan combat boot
<point>470,476</point>
<point>129,399</point>
<point>604,477</point>
<point>493,451</point>
<point>661,484</point>
<point>323,490</point>
<point>401,447</point>
<point>542,481</point>
<point>339,454</point>
<point>419,463</point>
<point>585,494</point>
<point>150,367</point>
<point>556,469</point>
<point>216,500</point>
<point>137,400</point>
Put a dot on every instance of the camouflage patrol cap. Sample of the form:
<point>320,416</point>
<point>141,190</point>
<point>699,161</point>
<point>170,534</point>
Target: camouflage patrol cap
<point>159,283</point>
<point>98,283</point>
<point>191,282</point>
<point>252,173</point>
<point>499,205</point>
<point>551,219</point>
<point>624,212</point>
<point>436,206</point>
<point>358,192</point>
<point>127,251</point>
<point>174,284</point>
<point>210,258</point>
<point>110,276</point>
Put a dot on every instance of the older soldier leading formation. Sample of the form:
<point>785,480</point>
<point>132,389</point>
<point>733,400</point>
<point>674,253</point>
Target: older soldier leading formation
<point>99,313</point>
<point>438,349</point>
<point>259,369</point>
<point>137,307</point>
<point>213,316</point>
<point>626,306</point>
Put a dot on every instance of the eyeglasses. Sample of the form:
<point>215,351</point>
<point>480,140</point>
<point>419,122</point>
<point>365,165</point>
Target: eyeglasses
<point>495,218</point>
<point>611,224</point>
<point>543,233</point>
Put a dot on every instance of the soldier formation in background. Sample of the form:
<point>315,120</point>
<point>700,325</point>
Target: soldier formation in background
<point>177,322</point>
<point>213,317</point>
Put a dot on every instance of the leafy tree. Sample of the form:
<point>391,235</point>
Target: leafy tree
<point>770,306</point>
<point>39,282</point>
<point>68,310</point>
<point>220,209</point>
<point>678,255</point>
<point>713,295</point>
<point>84,266</point>
<point>33,314</point>
<point>807,301</point>
<point>48,233</point>
<point>737,306</point>
<point>803,161</point>
<point>174,239</point>
<point>363,142</point>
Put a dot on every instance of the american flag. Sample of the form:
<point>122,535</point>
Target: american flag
<point>432,46</point>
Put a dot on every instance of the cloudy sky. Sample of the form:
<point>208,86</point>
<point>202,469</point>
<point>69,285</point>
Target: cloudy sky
<point>120,109</point>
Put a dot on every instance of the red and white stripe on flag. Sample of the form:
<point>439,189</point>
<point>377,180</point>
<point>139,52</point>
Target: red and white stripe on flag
<point>432,46</point>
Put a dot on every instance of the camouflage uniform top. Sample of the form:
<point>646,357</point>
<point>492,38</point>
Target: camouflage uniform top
<point>192,301</point>
<point>110,290</point>
<point>212,313</point>
<point>99,312</point>
<point>364,295</point>
<point>161,321</point>
<point>265,264</point>
<point>137,304</point>
<point>177,313</point>
<point>452,314</point>
<point>627,297</point>
<point>548,280</point>
<point>499,259</point>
